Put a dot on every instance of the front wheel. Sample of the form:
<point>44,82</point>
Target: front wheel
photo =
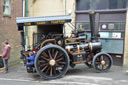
<point>51,62</point>
<point>102,62</point>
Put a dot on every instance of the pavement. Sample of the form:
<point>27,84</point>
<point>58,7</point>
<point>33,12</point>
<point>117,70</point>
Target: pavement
<point>80,75</point>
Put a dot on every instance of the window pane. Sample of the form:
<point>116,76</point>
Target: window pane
<point>117,4</point>
<point>112,26</point>
<point>7,7</point>
<point>100,4</point>
<point>83,26</point>
<point>113,4</point>
<point>112,46</point>
<point>83,4</point>
<point>7,3</point>
<point>117,35</point>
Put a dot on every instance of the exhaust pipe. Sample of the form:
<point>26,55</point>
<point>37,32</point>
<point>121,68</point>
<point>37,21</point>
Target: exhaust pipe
<point>92,25</point>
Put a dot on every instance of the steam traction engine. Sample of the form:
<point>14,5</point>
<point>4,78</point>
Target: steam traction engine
<point>55,52</point>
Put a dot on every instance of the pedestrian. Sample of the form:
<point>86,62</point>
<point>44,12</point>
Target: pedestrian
<point>6,54</point>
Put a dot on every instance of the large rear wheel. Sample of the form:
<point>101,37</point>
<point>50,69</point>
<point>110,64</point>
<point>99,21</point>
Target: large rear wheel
<point>51,62</point>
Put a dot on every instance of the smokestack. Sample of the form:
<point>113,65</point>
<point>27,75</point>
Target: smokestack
<point>92,25</point>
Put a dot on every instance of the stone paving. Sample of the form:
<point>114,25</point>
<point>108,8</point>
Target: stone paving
<point>80,75</point>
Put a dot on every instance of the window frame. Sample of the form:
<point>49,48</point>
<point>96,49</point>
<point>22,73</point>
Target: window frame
<point>8,9</point>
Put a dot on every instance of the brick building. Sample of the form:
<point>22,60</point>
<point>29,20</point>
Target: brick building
<point>9,10</point>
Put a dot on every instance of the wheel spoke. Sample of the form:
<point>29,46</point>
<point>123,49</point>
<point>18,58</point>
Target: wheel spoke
<point>59,55</point>
<point>42,61</point>
<point>59,59</point>
<point>102,58</point>
<point>61,62</point>
<point>106,60</point>
<point>55,55</point>
<point>43,64</point>
<point>54,70</point>
<point>58,66</point>
<point>97,62</point>
<point>47,70</point>
<point>44,54</point>
<point>44,58</point>
<point>51,71</point>
<point>102,66</point>
<point>44,68</point>
<point>49,54</point>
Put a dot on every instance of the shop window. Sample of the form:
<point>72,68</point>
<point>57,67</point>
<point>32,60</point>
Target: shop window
<point>112,30</point>
<point>7,7</point>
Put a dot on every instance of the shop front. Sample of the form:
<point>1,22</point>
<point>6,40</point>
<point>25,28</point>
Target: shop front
<point>110,20</point>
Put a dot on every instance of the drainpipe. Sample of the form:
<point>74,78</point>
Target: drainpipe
<point>26,28</point>
<point>26,8</point>
<point>23,8</point>
<point>65,7</point>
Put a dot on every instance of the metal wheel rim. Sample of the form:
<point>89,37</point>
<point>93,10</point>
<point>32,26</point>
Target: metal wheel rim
<point>103,66</point>
<point>60,62</point>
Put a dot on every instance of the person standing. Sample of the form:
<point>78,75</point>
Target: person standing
<point>6,54</point>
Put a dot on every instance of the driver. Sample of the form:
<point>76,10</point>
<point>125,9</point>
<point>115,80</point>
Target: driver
<point>31,59</point>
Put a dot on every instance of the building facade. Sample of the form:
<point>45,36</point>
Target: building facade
<point>9,10</point>
<point>47,8</point>
<point>110,21</point>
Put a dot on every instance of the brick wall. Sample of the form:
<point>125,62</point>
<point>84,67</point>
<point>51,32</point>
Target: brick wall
<point>8,29</point>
